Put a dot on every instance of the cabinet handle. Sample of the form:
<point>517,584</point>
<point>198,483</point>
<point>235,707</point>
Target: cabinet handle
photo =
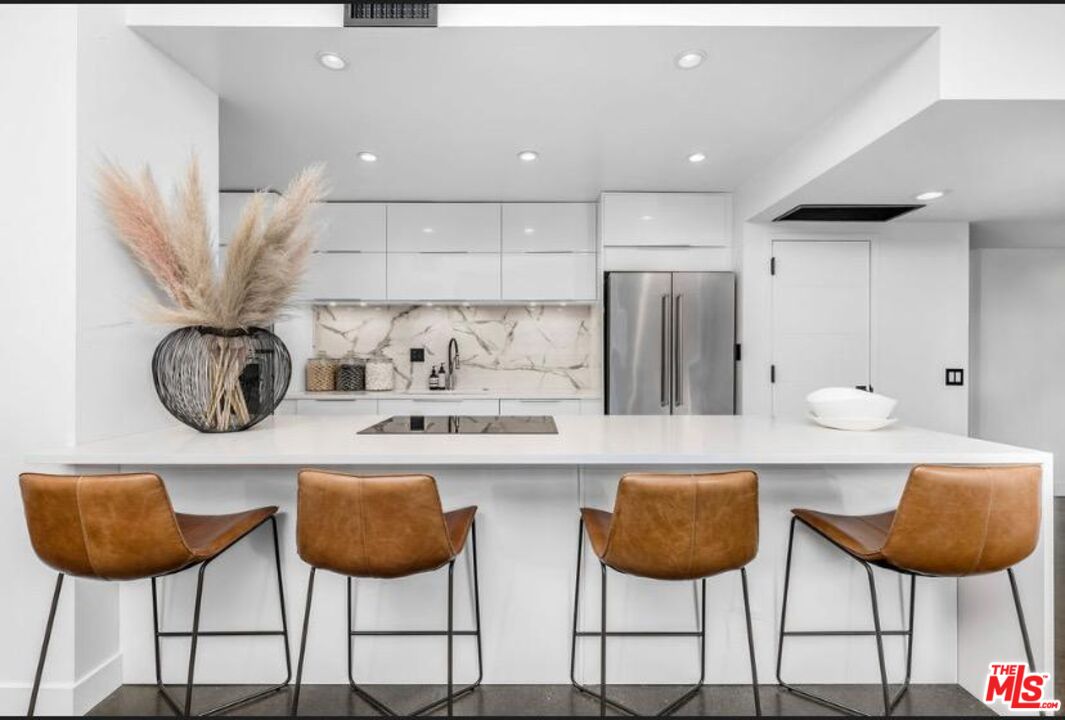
<point>664,352</point>
<point>678,351</point>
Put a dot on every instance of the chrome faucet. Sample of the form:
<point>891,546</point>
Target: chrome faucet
<point>452,363</point>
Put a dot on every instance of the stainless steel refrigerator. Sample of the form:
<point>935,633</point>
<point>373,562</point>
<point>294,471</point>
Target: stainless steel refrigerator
<point>670,343</point>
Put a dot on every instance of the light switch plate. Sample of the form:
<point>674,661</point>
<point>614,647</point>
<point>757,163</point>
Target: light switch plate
<point>955,376</point>
<point>417,355</point>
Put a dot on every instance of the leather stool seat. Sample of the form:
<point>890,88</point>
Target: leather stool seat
<point>863,536</point>
<point>210,535</point>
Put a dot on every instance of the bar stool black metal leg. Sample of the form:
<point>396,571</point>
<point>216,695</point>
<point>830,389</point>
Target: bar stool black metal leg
<point>576,606</point>
<point>450,636</point>
<point>879,640</point>
<point>44,645</point>
<point>602,644</point>
<point>476,604</point>
<point>1024,626</point>
<point>281,599</point>
<point>878,633</point>
<point>784,604</point>
<point>195,639</point>
<point>750,640</point>
<point>303,644</point>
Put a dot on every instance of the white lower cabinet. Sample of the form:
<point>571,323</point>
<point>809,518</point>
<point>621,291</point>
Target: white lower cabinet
<point>539,407</point>
<point>345,276</point>
<point>549,276</point>
<point>337,407</point>
<point>443,276</point>
<point>438,407</point>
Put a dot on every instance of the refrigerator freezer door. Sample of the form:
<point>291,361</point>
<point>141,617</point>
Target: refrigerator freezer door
<point>704,336</point>
<point>639,346</point>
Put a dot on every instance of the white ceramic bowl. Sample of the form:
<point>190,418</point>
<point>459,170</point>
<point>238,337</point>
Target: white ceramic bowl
<point>842,402</point>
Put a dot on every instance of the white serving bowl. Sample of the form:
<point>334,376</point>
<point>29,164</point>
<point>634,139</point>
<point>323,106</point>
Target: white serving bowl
<point>843,402</point>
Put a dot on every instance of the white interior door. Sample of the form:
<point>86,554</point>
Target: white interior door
<point>820,319</point>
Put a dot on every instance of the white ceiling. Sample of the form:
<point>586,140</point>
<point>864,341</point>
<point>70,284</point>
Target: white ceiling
<point>1001,160</point>
<point>447,109</point>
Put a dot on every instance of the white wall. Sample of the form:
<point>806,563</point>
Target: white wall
<point>1018,337</point>
<point>37,354</point>
<point>135,106</point>
<point>920,314</point>
<point>76,352</point>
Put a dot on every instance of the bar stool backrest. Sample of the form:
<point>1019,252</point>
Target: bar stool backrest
<point>111,527</point>
<point>957,521</point>
<point>371,526</point>
<point>683,526</point>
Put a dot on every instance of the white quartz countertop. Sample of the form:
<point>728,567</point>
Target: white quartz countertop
<point>581,440</point>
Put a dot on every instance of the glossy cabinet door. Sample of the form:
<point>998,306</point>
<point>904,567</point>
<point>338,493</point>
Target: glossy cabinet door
<point>549,276</point>
<point>442,406</point>
<point>540,407</point>
<point>443,276</point>
<point>443,227</point>
<point>548,227</point>
<point>345,276</point>
<point>666,219</point>
<point>350,227</point>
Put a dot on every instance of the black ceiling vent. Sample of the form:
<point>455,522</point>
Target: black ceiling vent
<point>390,14</point>
<point>845,213</point>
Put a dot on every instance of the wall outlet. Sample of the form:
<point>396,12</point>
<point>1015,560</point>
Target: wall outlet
<point>955,376</point>
<point>417,355</point>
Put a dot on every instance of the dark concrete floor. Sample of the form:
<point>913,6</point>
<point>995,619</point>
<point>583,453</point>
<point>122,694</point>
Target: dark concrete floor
<point>561,700</point>
<point>549,700</point>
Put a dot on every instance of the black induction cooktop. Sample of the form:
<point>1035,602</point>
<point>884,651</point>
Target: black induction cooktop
<point>464,425</point>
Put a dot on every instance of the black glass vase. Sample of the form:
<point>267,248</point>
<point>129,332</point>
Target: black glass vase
<point>221,380</point>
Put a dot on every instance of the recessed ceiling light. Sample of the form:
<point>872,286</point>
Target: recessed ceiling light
<point>931,195</point>
<point>647,217</point>
<point>367,156</point>
<point>690,59</point>
<point>530,231</point>
<point>696,157</point>
<point>332,61</point>
<point>428,230</point>
<point>528,155</point>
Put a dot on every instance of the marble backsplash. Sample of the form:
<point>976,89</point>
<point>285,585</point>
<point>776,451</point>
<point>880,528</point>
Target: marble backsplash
<point>551,348</point>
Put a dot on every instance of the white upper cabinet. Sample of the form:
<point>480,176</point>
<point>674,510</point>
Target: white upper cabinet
<point>350,227</point>
<point>549,276</point>
<point>667,219</point>
<point>443,227</point>
<point>345,276</point>
<point>548,227</point>
<point>443,276</point>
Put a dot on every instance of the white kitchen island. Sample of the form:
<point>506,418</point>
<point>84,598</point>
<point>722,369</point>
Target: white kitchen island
<point>528,489</point>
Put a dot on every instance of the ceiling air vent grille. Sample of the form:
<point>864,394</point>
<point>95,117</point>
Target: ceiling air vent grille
<point>845,213</point>
<point>390,14</point>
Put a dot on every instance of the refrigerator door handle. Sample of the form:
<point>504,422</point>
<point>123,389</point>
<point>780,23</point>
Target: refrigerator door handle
<point>664,353</point>
<point>678,353</point>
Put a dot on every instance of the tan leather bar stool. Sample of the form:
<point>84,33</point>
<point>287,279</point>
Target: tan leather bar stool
<point>384,527</point>
<point>123,527</point>
<point>950,522</point>
<point>671,527</point>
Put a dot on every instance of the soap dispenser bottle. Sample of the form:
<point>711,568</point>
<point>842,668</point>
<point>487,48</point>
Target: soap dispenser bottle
<point>434,380</point>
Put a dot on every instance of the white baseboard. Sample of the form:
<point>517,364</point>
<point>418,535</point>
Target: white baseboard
<point>73,698</point>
